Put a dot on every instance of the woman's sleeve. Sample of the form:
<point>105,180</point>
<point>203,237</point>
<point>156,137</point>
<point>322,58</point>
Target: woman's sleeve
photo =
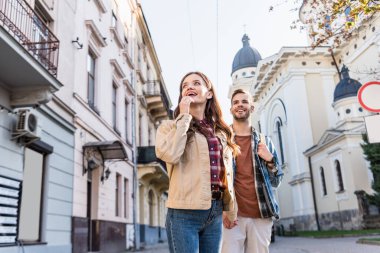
<point>171,138</point>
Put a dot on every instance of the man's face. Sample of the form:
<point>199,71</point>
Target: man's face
<point>241,107</point>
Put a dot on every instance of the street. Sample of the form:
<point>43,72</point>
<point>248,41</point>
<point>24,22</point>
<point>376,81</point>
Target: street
<point>304,245</point>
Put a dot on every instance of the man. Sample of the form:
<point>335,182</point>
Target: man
<point>257,172</point>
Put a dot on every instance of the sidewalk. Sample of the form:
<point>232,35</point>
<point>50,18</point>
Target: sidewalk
<point>299,245</point>
<point>157,248</point>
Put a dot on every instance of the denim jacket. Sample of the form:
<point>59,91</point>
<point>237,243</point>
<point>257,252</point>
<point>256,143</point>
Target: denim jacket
<point>265,179</point>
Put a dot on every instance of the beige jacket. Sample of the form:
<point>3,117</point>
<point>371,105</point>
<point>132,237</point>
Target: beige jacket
<point>188,163</point>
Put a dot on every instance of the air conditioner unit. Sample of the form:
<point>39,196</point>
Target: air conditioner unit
<point>27,123</point>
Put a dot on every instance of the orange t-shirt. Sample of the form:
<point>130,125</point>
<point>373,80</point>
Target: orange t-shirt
<point>245,190</point>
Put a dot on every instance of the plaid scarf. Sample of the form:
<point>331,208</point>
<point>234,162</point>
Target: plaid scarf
<point>215,151</point>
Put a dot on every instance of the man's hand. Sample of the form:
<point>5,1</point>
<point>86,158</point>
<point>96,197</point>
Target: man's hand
<point>227,223</point>
<point>184,105</point>
<point>263,152</point>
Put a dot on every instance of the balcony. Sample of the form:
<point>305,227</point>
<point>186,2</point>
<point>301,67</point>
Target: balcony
<point>29,54</point>
<point>157,100</point>
<point>150,169</point>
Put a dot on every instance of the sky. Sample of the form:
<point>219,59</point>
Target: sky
<point>205,35</point>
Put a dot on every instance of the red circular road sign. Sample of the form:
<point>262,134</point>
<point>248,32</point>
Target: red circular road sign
<point>369,96</point>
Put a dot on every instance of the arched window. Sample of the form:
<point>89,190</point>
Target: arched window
<point>339,176</point>
<point>323,181</point>
<point>151,207</point>
<point>279,136</point>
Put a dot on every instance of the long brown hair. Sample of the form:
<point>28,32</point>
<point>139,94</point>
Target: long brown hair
<point>213,112</point>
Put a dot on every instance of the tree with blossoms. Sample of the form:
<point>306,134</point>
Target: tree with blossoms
<point>331,22</point>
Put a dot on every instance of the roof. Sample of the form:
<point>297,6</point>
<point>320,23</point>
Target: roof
<point>247,56</point>
<point>347,87</point>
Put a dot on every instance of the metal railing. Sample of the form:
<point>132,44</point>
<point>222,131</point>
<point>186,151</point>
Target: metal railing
<point>152,89</point>
<point>19,19</point>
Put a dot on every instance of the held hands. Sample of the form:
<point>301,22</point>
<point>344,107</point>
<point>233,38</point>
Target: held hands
<point>263,152</point>
<point>184,105</point>
<point>227,223</point>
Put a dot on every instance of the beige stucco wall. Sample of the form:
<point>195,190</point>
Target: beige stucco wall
<point>316,102</point>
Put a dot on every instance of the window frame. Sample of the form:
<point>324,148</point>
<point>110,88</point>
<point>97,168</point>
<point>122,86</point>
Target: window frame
<point>91,75</point>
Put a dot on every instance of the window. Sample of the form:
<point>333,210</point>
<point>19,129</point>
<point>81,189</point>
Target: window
<point>280,143</point>
<point>114,101</point>
<point>42,22</point>
<point>149,137</point>
<point>31,199</point>
<point>323,181</point>
<point>91,79</point>
<point>114,20</point>
<point>339,176</point>
<point>117,195</point>
<point>151,207</point>
<point>126,204</point>
<point>126,120</point>
<point>140,130</point>
<point>126,43</point>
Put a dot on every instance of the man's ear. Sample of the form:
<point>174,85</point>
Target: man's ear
<point>252,108</point>
<point>209,95</point>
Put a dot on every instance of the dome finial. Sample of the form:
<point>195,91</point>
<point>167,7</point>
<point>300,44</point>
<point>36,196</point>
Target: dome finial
<point>344,72</point>
<point>245,40</point>
<point>347,87</point>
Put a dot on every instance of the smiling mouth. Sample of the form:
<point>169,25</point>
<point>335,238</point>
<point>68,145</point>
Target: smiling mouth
<point>191,94</point>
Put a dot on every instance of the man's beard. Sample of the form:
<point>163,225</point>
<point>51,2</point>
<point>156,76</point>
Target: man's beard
<point>241,118</point>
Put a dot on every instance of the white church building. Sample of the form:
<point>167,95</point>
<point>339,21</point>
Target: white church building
<point>311,112</point>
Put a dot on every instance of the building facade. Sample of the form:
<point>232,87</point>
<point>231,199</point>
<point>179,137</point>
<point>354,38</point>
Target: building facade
<point>311,112</point>
<point>37,134</point>
<point>153,106</point>
<point>80,121</point>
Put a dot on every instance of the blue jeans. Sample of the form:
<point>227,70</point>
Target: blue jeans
<point>193,231</point>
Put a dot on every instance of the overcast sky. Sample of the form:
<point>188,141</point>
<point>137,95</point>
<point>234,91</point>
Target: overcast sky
<point>205,35</point>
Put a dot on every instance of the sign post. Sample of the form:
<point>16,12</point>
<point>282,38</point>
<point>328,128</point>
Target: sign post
<point>369,99</point>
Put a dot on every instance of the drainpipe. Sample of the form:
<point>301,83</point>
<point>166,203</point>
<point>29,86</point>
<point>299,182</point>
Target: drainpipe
<point>313,191</point>
<point>134,145</point>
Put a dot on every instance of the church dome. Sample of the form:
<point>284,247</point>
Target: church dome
<point>246,56</point>
<point>347,87</point>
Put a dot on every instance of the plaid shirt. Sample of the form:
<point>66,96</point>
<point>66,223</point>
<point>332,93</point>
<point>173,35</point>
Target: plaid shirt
<point>265,180</point>
<point>215,151</point>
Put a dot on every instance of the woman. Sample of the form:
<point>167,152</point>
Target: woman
<point>198,150</point>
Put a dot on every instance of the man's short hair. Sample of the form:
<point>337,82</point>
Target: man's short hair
<point>240,91</point>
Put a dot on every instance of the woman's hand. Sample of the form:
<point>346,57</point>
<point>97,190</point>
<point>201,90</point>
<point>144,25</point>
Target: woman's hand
<point>184,105</point>
<point>227,223</point>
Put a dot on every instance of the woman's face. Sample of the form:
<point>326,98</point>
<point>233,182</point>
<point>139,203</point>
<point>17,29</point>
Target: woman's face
<point>194,86</point>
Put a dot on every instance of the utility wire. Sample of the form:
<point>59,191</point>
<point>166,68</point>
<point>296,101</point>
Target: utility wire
<point>191,33</point>
<point>217,46</point>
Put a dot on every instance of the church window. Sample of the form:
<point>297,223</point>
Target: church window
<point>323,181</point>
<point>339,176</point>
<point>279,136</point>
<point>348,111</point>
